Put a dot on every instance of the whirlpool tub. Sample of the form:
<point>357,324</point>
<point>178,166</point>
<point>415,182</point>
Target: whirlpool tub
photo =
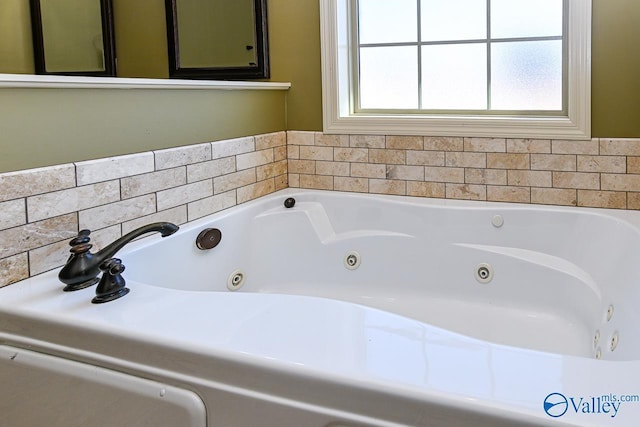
<point>351,310</point>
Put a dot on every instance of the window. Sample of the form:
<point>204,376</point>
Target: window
<point>512,68</point>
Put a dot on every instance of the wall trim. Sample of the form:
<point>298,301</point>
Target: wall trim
<point>76,82</point>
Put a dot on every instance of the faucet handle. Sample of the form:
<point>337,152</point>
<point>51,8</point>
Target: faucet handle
<point>112,285</point>
<point>80,244</point>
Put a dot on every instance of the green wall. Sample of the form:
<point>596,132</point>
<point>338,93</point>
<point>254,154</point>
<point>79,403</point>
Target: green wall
<point>141,49</point>
<point>616,69</point>
<point>295,57</point>
<point>43,127</point>
<point>294,36</point>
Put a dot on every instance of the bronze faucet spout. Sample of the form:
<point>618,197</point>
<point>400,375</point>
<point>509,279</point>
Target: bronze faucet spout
<point>83,267</point>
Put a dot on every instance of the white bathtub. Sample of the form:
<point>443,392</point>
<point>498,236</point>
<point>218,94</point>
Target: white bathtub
<point>409,337</point>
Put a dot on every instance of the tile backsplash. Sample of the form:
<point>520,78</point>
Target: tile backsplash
<point>599,172</point>
<point>42,209</point>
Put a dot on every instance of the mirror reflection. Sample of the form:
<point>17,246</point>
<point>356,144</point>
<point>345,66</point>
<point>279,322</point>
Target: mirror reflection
<point>216,33</point>
<point>223,39</point>
<point>73,37</point>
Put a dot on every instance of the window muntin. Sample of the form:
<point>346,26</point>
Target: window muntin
<point>465,56</point>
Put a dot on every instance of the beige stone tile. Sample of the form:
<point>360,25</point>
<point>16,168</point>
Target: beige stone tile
<point>332,168</point>
<point>443,143</point>
<point>486,145</point>
<point>281,181</point>
<point>14,185</point>
<point>360,155</point>
<point>367,141</point>
<point>293,152</point>
<point>271,140</point>
<point>561,146</point>
<point>48,257</point>
<point>317,182</point>
<point>633,201</point>
<point>602,199</point>
<point>110,168</point>
<point>466,191</point>
<point>620,182</point>
<point>176,215</point>
<point>294,180</point>
<point>211,205</point>
<point>105,236</point>
<point>390,157</point>
<point>425,158</point>
<point>279,153</point>
<point>368,170</point>
<point>554,196</point>
<point>611,164</point>
<point>316,153</point>
<point>404,142</point>
<point>182,156</point>
<point>253,191</point>
<point>579,180</point>
<point>151,182</point>
<point>209,169</point>
<point>388,186</point>
<point>508,161</point>
<point>326,140</point>
<point>271,170</point>
<point>224,183</point>
<point>508,194</point>
<point>50,205</point>
<point>34,235</point>
<point>12,213</point>
<point>524,178</point>
<point>542,146</point>
<point>251,160</point>
<point>14,269</point>
<point>307,167</point>
<point>184,194</point>
<point>232,147</point>
<point>406,173</point>
<point>633,165</point>
<point>426,189</point>
<point>620,146</point>
<point>466,160</point>
<point>296,137</point>
<point>439,174</point>
<point>485,176</point>
<point>357,185</point>
<point>553,162</point>
<point>115,213</point>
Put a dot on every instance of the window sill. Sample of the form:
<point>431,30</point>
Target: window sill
<point>472,126</point>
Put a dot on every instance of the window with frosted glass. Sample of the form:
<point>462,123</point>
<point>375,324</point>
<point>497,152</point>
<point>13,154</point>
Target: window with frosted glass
<point>461,55</point>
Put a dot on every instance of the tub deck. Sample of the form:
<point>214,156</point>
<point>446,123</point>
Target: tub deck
<point>274,358</point>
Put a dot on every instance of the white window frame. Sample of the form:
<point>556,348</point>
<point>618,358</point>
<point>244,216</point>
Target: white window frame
<point>337,94</point>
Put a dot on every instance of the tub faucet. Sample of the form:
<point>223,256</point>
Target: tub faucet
<point>82,267</point>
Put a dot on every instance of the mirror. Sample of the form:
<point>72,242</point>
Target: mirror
<point>73,37</point>
<point>217,39</point>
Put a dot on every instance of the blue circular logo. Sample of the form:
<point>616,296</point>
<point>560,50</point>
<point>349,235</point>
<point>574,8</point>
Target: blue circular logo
<point>555,405</point>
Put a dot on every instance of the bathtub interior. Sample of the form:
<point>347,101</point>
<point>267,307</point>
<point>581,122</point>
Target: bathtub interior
<point>563,280</point>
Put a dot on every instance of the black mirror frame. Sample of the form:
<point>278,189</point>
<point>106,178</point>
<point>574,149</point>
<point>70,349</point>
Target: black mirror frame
<point>259,71</point>
<point>108,42</point>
